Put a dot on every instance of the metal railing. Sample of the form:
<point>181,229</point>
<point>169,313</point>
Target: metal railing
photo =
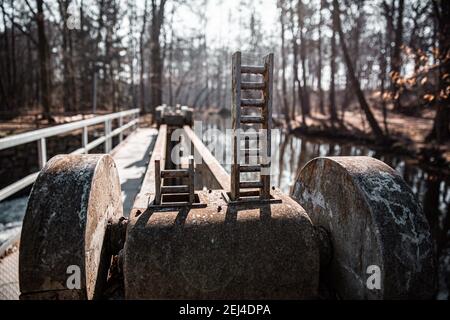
<point>41,134</point>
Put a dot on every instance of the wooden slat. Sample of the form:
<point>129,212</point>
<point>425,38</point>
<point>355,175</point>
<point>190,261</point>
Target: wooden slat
<point>253,85</point>
<point>157,180</point>
<point>244,168</point>
<point>252,103</point>
<point>267,114</point>
<point>191,179</point>
<point>176,173</point>
<point>251,119</point>
<point>236,123</point>
<point>253,69</point>
<point>174,189</point>
<point>220,175</point>
<point>251,184</point>
<point>148,186</point>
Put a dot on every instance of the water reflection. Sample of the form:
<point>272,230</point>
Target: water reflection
<point>290,153</point>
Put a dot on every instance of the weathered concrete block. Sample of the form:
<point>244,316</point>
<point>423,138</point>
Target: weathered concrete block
<point>222,252</point>
<point>373,219</point>
<point>68,210</point>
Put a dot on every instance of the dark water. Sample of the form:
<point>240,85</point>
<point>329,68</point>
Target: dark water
<point>290,153</point>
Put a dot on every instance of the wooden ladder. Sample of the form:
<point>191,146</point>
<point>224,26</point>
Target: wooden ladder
<point>187,174</point>
<point>262,124</point>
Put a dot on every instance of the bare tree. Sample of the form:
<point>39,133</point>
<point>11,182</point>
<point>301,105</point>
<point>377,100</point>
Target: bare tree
<point>283,65</point>
<point>303,45</point>
<point>319,58</point>
<point>142,58</point>
<point>44,63</point>
<point>396,61</point>
<point>332,93</point>
<point>378,133</point>
<point>156,59</point>
<point>441,130</point>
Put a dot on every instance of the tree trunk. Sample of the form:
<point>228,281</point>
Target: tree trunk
<point>378,133</point>
<point>396,58</point>
<point>67,105</point>
<point>306,100</point>
<point>332,102</point>
<point>44,66</point>
<point>441,130</point>
<point>283,69</point>
<point>383,66</point>
<point>319,67</point>
<point>296,81</point>
<point>156,60</point>
<point>142,61</point>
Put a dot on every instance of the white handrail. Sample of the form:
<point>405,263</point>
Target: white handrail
<point>41,134</point>
<point>34,135</point>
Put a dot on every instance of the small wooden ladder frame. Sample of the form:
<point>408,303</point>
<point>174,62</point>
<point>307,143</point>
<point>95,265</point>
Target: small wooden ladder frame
<point>263,135</point>
<point>175,189</point>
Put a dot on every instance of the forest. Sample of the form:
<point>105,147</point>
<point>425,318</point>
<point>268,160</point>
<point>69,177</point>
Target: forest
<point>365,69</point>
<point>350,78</point>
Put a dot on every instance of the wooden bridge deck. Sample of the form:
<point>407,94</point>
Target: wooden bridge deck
<point>131,157</point>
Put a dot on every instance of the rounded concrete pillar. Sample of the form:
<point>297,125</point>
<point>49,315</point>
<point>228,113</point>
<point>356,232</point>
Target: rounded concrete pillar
<point>63,254</point>
<point>381,242</point>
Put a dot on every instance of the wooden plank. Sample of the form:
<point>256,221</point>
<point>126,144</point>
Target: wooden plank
<point>205,156</point>
<point>174,189</point>
<point>157,180</point>
<point>175,173</point>
<point>236,123</point>
<point>251,184</point>
<point>251,119</point>
<point>253,85</point>
<point>267,125</point>
<point>148,183</point>
<point>253,103</point>
<point>255,168</point>
<point>252,69</point>
<point>191,179</point>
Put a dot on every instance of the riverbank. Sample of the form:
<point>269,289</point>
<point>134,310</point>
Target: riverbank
<point>406,133</point>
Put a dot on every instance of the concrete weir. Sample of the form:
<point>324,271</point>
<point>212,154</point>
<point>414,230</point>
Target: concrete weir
<point>215,249</point>
<point>347,218</point>
<point>352,229</point>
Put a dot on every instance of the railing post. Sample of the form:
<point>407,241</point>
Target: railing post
<point>236,124</point>
<point>157,181</point>
<point>135,117</point>
<point>191,180</point>
<point>267,125</point>
<point>107,136</point>
<point>85,139</point>
<point>120,126</point>
<point>42,152</point>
